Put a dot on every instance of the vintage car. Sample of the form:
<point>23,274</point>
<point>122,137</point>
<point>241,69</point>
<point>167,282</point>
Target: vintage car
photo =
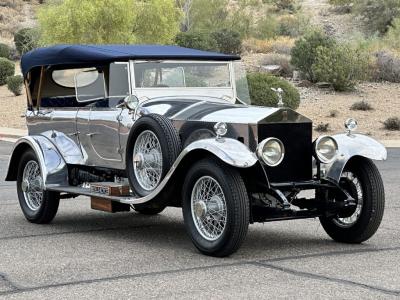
<point>146,127</point>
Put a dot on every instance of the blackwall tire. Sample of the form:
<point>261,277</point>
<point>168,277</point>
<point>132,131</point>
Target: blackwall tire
<point>229,229</point>
<point>149,209</point>
<point>37,205</point>
<point>159,131</point>
<point>373,204</point>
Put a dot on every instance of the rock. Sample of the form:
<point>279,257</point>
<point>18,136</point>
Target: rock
<point>272,69</point>
<point>323,85</point>
<point>305,83</point>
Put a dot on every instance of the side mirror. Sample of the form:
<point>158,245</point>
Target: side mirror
<point>130,102</point>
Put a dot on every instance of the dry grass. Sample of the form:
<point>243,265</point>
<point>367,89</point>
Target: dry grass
<point>281,45</point>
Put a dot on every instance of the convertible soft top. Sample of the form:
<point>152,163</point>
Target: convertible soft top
<point>76,55</point>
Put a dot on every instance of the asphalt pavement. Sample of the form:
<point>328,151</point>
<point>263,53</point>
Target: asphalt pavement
<point>86,254</point>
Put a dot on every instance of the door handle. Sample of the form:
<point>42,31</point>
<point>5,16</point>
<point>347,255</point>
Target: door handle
<point>73,133</point>
<point>92,134</point>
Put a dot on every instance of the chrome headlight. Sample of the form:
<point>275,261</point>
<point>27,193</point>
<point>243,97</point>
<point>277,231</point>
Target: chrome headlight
<point>325,149</point>
<point>271,151</point>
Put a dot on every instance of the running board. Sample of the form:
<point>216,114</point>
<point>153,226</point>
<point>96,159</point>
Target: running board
<point>87,192</point>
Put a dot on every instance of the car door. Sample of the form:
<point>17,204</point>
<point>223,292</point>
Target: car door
<point>105,116</point>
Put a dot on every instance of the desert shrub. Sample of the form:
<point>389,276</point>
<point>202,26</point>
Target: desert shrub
<point>5,51</point>
<point>322,127</point>
<point>292,25</point>
<point>14,84</point>
<point>26,39</point>
<point>392,123</point>
<point>304,52</point>
<point>195,40</point>
<point>260,85</point>
<point>333,113</point>
<point>378,15</point>
<point>342,6</point>
<point>267,27</point>
<point>361,105</point>
<point>392,37</point>
<point>340,65</point>
<point>281,60</point>
<point>387,66</point>
<point>341,2</point>
<point>227,41</point>
<point>7,68</point>
<point>289,5</point>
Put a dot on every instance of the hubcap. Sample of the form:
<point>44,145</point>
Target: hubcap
<point>32,185</point>
<point>208,207</point>
<point>147,160</point>
<point>355,190</point>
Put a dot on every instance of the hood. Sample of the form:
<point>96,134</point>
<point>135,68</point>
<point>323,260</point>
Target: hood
<point>213,110</point>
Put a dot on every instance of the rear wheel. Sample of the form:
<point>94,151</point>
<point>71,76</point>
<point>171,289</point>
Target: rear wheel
<point>39,206</point>
<point>215,208</point>
<point>361,179</point>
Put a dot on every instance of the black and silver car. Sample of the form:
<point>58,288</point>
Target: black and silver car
<point>146,127</point>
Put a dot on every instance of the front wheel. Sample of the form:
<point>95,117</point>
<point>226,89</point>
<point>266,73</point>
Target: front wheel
<point>362,181</point>
<point>215,208</point>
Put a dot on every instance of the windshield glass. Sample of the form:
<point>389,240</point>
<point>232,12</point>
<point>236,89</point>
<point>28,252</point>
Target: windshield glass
<point>182,75</point>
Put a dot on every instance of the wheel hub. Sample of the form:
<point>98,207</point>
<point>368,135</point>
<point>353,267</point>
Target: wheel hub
<point>200,209</point>
<point>25,186</point>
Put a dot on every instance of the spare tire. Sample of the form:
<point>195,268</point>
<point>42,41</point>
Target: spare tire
<point>153,146</point>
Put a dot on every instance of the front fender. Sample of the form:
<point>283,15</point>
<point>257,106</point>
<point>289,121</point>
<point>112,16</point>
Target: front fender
<point>350,146</point>
<point>229,150</point>
<point>52,165</point>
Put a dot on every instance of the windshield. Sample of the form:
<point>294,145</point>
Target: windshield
<point>182,74</point>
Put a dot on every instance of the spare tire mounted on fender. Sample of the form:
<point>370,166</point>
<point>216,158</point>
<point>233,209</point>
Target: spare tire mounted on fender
<point>153,147</point>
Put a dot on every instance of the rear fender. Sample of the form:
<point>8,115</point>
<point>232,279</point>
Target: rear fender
<point>52,165</point>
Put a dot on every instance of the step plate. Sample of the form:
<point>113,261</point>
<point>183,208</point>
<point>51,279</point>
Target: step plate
<point>87,192</point>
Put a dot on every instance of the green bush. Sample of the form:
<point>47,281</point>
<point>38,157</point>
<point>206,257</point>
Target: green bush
<point>227,41</point>
<point>7,68</point>
<point>392,37</point>
<point>378,15</point>
<point>196,40</point>
<point>260,85</point>
<point>5,51</point>
<point>14,84</point>
<point>304,52</point>
<point>341,66</point>
<point>26,39</point>
<point>341,2</point>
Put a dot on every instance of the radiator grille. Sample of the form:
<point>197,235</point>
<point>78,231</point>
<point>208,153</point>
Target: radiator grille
<point>297,139</point>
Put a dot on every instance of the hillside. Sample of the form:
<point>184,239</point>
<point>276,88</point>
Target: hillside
<point>318,104</point>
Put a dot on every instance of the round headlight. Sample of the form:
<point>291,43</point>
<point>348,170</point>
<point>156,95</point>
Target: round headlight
<point>220,128</point>
<point>271,151</point>
<point>326,149</point>
<point>351,124</point>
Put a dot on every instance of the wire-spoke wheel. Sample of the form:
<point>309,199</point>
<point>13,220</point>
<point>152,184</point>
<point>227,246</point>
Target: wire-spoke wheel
<point>215,207</point>
<point>39,206</point>
<point>153,147</point>
<point>147,160</point>
<point>32,185</point>
<point>361,179</point>
<point>208,208</point>
<point>353,186</point>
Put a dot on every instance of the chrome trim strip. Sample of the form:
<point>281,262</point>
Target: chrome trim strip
<point>228,150</point>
